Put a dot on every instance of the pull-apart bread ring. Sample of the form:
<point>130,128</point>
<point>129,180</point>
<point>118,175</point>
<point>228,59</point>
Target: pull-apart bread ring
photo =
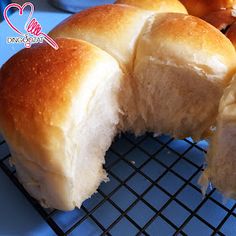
<point>118,68</point>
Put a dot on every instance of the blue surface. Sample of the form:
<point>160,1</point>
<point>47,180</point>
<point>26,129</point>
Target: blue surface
<point>157,181</point>
<point>17,216</point>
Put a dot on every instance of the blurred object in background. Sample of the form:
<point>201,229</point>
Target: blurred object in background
<point>202,8</point>
<point>3,4</point>
<point>219,13</point>
<point>231,34</point>
<point>77,5</point>
<point>221,19</point>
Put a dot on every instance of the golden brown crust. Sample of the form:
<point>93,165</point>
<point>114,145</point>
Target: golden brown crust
<point>187,59</point>
<point>105,20</point>
<point>90,17</point>
<point>37,87</point>
<point>220,19</point>
<point>113,28</point>
<point>201,8</point>
<point>28,77</point>
<point>47,98</point>
<point>156,5</point>
<point>200,40</point>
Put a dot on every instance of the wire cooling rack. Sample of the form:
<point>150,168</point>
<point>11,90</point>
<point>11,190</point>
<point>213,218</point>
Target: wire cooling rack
<point>152,190</point>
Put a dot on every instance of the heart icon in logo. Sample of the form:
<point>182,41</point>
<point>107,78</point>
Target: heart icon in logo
<point>32,27</point>
<point>21,9</point>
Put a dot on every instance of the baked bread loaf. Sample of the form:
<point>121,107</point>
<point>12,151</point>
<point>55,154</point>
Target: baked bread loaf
<point>221,161</point>
<point>135,71</point>
<point>225,21</point>
<point>220,13</point>
<point>202,8</point>
<point>156,5</point>
<point>207,62</point>
<point>59,110</point>
<point>221,19</point>
<point>113,28</point>
<point>180,73</point>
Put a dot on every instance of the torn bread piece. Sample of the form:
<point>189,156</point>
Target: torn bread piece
<point>59,111</point>
<point>221,160</point>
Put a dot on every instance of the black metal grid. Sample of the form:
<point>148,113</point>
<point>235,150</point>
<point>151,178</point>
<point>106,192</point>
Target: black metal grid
<point>158,174</point>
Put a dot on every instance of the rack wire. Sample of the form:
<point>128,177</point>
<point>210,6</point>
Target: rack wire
<point>152,190</point>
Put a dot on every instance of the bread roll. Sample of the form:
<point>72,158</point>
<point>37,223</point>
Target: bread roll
<point>181,67</point>
<point>221,160</point>
<point>60,109</point>
<point>201,8</point>
<point>113,28</point>
<point>58,113</point>
<point>224,20</point>
<point>156,5</point>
